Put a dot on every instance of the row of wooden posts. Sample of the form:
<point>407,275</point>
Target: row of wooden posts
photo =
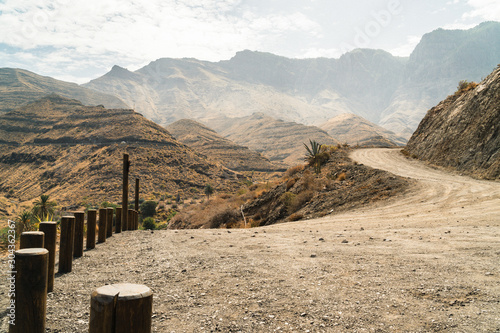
<point>115,308</point>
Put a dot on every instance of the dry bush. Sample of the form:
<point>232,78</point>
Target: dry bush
<point>299,201</point>
<point>464,86</point>
<point>223,216</point>
<point>341,177</point>
<point>290,183</point>
<point>310,182</point>
<point>293,171</point>
<point>296,217</point>
<point>287,198</point>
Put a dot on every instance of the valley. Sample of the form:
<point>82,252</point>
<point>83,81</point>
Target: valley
<point>422,261</point>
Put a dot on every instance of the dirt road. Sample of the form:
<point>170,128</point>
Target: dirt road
<point>440,197</point>
<point>427,261</point>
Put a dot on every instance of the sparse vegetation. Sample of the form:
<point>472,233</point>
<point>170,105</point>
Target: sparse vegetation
<point>464,86</point>
<point>316,156</point>
<point>43,208</point>
<point>148,208</point>
<point>148,224</point>
<point>299,194</point>
<point>25,222</point>
<point>209,190</point>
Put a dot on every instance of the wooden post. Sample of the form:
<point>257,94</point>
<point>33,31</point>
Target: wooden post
<point>91,224</point>
<point>31,239</point>
<point>136,207</point>
<point>109,225</point>
<point>130,222</point>
<point>78,241</point>
<point>123,308</point>
<point>126,167</point>
<point>30,307</point>
<point>50,231</point>
<point>103,220</point>
<point>124,224</point>
<point>66,244</point>
<point>136,219</point>
<point>118,222</point>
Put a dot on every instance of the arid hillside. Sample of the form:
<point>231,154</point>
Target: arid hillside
<point>278,140</point>
<point>300,194</point>
<point>208,142</point>
<point>463,131</point>
<point>356,130</point>
<point>19,87</point>
<point>73,152</point>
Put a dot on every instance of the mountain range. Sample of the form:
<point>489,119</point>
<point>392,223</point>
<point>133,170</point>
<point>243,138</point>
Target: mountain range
<point>390,91</point>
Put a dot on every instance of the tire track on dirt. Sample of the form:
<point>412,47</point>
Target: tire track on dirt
<point>436,196</point>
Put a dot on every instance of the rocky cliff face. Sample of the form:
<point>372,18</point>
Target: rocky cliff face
<point>463,131</point>
<point>438,63</point>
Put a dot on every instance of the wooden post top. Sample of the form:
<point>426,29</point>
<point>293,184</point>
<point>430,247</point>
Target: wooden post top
<point>33,233</point>
<point>31,252</point>
<point>48,222</point>
<point>68,217</point>
<point>79,212</point>
<point>124,291</point>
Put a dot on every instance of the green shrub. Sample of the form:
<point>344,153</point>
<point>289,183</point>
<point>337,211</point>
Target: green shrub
<point>148,208</point>
<point>148,224</point>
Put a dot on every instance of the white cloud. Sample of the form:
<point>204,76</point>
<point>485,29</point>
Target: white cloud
<point>484,9</point>
<point>406,49</point>
<point>321,52</point>
<point>145,29</point>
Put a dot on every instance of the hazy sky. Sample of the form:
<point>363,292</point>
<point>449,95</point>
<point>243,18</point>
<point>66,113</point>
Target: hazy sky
<point>81,40</point>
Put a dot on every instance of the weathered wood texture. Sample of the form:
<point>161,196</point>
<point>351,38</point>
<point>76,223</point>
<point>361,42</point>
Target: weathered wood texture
<point>123,308</point>
<point>31,290</point>
<point>79,227</point>
<point>66,244</point>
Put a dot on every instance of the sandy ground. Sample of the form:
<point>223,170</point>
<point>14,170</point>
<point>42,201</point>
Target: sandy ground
<point>426,261</point>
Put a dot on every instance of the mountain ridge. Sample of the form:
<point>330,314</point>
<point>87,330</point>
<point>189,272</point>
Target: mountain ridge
<point>72,152</point>
<point>390,91</point>
<point>19,87</point>
<point>207,141</point>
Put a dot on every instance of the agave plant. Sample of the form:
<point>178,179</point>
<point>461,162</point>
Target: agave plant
<point>315,156</point>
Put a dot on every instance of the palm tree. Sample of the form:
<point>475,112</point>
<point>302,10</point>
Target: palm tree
<point>315,156</point>
<point>43,208</point>
<point>209,190</point>
<point>25,220</point>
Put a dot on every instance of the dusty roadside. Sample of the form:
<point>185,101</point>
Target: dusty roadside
<point>427,261</point>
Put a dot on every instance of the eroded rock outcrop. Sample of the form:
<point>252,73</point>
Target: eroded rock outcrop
<point>463,131</point>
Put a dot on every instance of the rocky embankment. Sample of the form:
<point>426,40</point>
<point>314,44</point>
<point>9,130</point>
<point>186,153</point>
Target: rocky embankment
<point>463,131</point>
